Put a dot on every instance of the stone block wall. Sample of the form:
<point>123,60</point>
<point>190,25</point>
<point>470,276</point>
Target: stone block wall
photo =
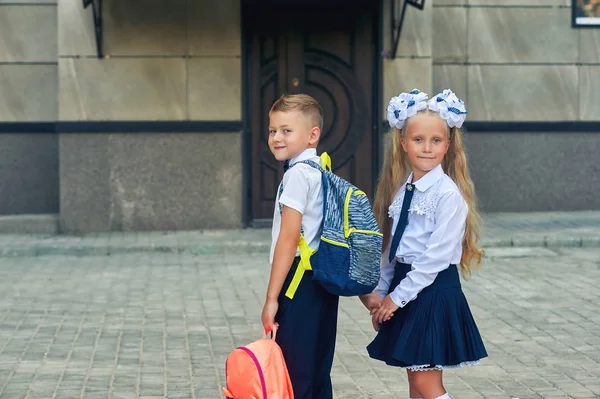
<point>517,60</point>
<point>28,93</point>
<point>165,61</point>
<point>511,61</point>
<point>412,66</point>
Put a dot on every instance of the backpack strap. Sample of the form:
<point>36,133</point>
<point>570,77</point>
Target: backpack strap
<point>305,253</point>
<point>305,250</point>
<point>326,161</point>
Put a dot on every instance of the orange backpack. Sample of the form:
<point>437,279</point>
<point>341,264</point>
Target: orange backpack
<point>258,371</point>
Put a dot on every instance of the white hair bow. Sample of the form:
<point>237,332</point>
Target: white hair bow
<point>451,108</point>
<point>404,106</point>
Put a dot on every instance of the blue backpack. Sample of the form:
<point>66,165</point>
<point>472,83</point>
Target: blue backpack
<point>348,260</point>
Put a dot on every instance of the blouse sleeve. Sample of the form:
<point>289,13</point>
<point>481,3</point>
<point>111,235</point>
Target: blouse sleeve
<point>386,275</point>
<point>450,222</point>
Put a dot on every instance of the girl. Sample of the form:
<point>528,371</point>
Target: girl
<point>430,223</point>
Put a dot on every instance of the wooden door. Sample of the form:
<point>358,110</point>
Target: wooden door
<point>329,54</point>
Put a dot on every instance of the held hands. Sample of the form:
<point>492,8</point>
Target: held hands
<point>268,314</point>
<point>376,324</point>
<point>385,311</point>
<point>373,303</point>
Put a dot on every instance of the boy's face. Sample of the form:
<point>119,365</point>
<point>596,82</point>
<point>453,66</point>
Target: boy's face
<point>290,133</point>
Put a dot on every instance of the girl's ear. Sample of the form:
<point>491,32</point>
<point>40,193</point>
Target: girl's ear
<point>404,145</point>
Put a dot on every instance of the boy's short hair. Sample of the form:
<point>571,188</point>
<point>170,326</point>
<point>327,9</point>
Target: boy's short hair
<point>308,106</point>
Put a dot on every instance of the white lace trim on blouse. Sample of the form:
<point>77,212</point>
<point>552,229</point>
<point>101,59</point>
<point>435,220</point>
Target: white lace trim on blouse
<point>422,203</point>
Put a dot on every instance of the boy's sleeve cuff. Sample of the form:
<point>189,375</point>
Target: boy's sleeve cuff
<point>291,204</point>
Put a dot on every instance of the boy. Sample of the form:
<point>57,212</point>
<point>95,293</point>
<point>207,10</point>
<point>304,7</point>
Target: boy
<point>307,322</point>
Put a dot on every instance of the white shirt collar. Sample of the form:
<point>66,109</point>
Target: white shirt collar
<point>428,180</point>
<point>304,155</point>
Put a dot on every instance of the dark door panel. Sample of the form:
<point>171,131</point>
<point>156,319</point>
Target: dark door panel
<point>327,53</point>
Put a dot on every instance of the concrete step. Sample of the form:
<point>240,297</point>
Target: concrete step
<point>29,224</point>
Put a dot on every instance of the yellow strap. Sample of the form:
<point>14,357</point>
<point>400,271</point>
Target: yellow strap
<point>305,253</point>
<point>326,161</point>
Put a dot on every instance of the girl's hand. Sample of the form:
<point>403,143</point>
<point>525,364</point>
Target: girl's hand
<point>386,310</point>
<point>268,314</point>
<point>371,301</point>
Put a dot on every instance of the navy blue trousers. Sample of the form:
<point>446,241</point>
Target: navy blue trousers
<point>306,335</point>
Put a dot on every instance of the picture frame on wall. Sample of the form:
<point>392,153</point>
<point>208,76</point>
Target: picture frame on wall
<point>585,13</point>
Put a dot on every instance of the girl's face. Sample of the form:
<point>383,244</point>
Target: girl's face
<point>426,142</point>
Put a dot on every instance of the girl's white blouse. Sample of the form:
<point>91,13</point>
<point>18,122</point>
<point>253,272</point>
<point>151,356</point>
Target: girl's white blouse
<point>432,240</point>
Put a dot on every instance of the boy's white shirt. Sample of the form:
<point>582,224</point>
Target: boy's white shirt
<point>302,191</point>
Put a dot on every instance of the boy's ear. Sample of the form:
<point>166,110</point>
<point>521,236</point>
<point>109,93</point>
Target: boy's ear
<point>315,135</point>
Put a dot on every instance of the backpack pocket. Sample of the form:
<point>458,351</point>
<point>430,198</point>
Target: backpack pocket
<point>365,241</point>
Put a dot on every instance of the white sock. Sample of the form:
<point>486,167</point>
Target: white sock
<point>444,396</point>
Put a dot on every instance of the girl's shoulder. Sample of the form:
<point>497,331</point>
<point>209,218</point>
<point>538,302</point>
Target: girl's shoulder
<point>428,202</point>
<point>449,189</point>
<point>448,186</point>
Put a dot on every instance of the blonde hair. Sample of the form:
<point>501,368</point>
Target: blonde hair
<point>396,169</point>
<point>303,103</point>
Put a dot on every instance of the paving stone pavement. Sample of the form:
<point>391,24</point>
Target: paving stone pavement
<point>151,325</point>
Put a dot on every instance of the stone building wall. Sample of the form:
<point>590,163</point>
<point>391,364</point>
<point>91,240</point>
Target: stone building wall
<point>166,61</point>
<point>28,93</point>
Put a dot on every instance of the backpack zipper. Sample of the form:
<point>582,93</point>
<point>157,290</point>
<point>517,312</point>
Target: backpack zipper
<point>347,229</point>
<point>260,371</point>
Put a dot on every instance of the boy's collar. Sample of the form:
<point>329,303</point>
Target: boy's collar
<point>304,155</point>
<point>428,180</point>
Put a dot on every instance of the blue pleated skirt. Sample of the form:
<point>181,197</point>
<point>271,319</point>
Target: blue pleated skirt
<point>434,331</point>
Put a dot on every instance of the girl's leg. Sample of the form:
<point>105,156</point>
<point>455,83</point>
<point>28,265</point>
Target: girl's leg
<point>414,392</point>
<point>428,383</point>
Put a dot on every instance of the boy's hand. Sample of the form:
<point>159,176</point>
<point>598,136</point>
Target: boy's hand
<point>268,314</point>
<point>371,301</point>
<point>386,310</point>
<point>376,324</point>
